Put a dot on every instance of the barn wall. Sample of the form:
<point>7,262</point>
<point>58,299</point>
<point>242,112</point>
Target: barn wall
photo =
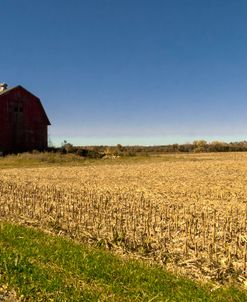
<point>23,125</point>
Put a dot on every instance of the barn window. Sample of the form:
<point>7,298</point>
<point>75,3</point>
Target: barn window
<point>18,108</point>
<point>15,112</point>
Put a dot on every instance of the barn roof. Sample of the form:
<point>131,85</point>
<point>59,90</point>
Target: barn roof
<point>7,90</point>
<point>20,87</point>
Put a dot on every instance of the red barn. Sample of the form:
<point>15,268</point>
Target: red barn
<point>23,121</point>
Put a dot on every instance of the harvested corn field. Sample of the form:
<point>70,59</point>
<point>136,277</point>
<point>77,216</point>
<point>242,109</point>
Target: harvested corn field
<point>188,213</point>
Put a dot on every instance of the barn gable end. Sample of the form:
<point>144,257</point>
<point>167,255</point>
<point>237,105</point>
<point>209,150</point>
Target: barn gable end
<point>23,121</point>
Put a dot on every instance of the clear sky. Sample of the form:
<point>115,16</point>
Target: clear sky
<point>131,71</point>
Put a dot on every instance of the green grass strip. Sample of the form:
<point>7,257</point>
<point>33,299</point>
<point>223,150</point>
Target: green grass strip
<point>47,268</point>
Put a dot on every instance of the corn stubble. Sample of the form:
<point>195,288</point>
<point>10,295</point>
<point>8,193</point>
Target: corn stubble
<point>188,215</point>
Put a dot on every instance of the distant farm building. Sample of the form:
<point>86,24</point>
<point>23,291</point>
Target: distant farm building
<point>23,121</point>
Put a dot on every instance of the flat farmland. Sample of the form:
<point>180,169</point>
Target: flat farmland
<point>186,212</point>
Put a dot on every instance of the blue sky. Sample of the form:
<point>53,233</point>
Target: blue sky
<point>131,71</point>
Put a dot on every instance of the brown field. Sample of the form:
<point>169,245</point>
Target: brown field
<point>188,212</point>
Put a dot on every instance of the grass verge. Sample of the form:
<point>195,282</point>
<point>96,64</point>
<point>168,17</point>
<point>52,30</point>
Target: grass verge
<point>46,159</point>
<point>41,267</point>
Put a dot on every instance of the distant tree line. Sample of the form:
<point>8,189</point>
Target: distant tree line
<point>120,150</point>
<point>195,147</point>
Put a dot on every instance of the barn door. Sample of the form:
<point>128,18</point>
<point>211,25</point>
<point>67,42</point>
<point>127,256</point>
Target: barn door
<point>17,126</point>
